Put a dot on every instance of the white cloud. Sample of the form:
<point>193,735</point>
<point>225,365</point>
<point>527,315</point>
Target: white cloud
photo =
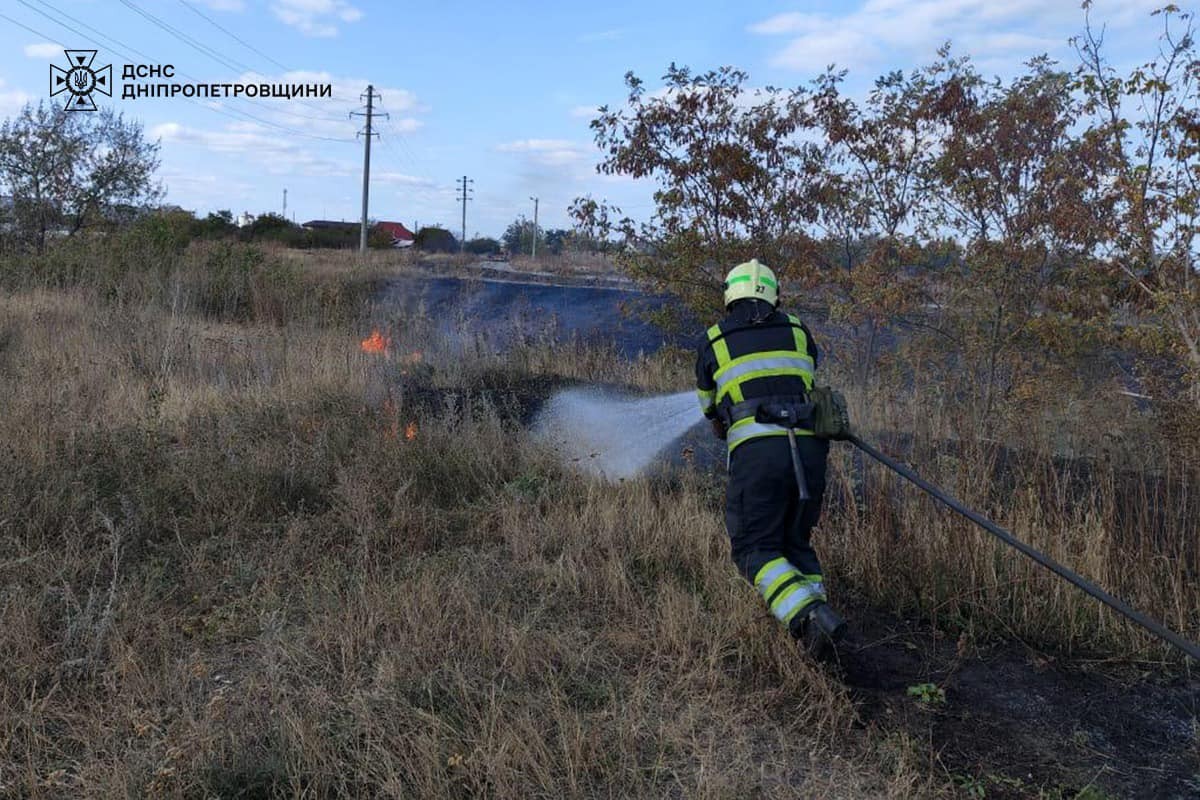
<point>585,112</point>
<point>535,145</point>
<point>815,51</point>
<point>401,179</point>
<point>316,18</point>
<point>603,36</point>
<point>406,124</point>
<point>901,30</point>
<point>257,144</point>
<point>43,50</point>
<point>11,100</point>
<point>791,22</point>
<point>224,5</point>
<point>546,152</point>
<point>401,104</point>
<point>345,90</point>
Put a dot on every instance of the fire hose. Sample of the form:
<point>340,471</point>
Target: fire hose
<point>1153,626</point>
<point>831,421</point>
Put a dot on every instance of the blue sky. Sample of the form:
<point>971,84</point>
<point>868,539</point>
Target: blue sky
<point>501,92</point>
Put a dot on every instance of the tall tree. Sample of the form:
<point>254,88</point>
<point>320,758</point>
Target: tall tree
<point>68,170</point>
<point>520,234</point>
<point>1021,190</point>
<point>879,157</point>
<point>1149,125</point>
<point>736,178</point>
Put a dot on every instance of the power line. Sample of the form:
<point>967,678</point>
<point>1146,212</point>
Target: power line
<point>408,156</point>
<point>250,47</point>
<point>26,27</point>
<point>205,50</point>
<point>198,46</point>
<point>399,137</point>
<point>77,21</point>
<point>235,37</point>
<point>120,46</point>
<point>120,51</point>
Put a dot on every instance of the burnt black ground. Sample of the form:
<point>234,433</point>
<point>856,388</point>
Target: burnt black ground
<point>1015,721</point>
<point>508,309</point>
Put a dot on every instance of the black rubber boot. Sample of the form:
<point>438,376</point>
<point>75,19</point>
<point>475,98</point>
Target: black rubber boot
<point>829,621</point>
<point>818,629</point>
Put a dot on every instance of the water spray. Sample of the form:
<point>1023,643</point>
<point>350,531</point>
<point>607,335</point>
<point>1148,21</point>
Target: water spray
<point>610,434</point>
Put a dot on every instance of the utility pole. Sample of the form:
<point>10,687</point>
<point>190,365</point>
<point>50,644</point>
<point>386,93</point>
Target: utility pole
<point>535,226</point>
<point>370,96</point>
<point>464,196</point>
<point>285,203</point>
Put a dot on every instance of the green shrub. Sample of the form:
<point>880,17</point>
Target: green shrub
<point>233,281</point>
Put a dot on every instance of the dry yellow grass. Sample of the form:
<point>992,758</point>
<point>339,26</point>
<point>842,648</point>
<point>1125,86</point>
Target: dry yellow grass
<point>225,569</point>
<point>1120,508</point>
<point>226,572</point>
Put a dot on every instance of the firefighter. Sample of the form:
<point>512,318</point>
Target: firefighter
<point>754,373</point>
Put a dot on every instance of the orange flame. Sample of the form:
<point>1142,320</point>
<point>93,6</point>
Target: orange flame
<point>376,343</point>
<point>410,431</point>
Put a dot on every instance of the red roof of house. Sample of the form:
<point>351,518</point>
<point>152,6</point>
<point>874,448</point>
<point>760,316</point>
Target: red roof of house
<point>397,230</point>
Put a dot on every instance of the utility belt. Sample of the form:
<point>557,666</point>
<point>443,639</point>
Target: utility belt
<point>787,411</point>
<point>821,411</point>
<point>790,412</point>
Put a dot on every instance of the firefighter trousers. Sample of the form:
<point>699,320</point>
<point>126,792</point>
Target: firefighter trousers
<point>764,515</point>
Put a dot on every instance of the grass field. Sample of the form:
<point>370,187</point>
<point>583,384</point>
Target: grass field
<point>239,556</point>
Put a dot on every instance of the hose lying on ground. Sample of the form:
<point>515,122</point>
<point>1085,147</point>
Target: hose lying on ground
<point>1155,627</point>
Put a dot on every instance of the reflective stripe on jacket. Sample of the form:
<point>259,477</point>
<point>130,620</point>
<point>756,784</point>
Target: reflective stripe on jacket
<point>750,360</point>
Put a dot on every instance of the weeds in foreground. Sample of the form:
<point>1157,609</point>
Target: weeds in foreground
<point>226,568</point>
<point>225,573</point>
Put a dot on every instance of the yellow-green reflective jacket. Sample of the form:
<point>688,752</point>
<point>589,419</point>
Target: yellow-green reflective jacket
<point>741,360</point>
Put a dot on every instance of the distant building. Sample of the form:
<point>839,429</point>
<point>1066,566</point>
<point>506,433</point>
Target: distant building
<point>245,219</point>
<point>329,225</point>
<point>401,236</point>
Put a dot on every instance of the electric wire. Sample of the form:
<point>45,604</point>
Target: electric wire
<point>199,47</point>
<point>253,49</point>
<point>26,27</point>
<point>268,56</point>
<point>212,53</point>
<point>80,22</point>
<point>390,132</point>
<point>1116,604</point>
<point>234,36</point>
<point>121,46</point>
<point>227,111</point>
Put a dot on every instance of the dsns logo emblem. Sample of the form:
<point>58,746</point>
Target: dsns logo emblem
<point>81,80</point>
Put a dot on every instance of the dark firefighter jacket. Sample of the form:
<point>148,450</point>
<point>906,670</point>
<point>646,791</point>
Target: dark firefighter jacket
<point>742,359</point>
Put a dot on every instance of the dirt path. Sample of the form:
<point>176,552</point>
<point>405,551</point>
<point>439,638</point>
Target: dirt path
<point>1014,722</point>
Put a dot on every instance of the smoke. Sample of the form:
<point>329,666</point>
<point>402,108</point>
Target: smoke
<point>611,435</point>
